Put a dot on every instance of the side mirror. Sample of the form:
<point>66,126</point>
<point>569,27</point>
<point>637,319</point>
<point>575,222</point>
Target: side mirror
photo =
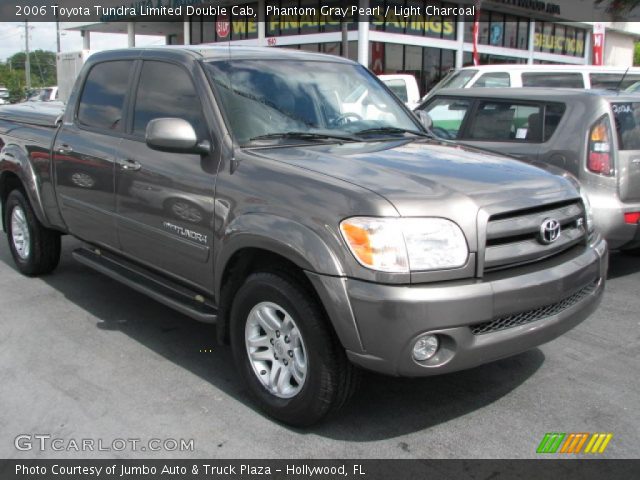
<point>425,119</point>
<point>174,135</point>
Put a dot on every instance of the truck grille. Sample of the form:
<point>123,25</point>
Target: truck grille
<point>540,313</point>
<point>514,238</point>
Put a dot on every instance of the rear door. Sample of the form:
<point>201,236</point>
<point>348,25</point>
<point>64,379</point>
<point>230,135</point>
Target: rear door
<point>627,124</point>
<point>165,200</point>
<point>85,151</point>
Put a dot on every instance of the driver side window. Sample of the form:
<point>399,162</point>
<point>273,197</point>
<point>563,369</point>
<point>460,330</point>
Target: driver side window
<point>166,90</point>
<point>448,115</point>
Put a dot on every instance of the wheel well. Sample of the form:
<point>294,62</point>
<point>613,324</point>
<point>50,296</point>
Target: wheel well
<point>8,182</point>
<point>243,263</point>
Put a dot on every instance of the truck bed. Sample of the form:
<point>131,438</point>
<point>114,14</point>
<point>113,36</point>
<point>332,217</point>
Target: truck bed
<point>33,113</point>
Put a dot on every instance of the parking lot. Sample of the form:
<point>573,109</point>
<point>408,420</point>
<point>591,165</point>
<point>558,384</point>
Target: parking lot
<point>82,356</point>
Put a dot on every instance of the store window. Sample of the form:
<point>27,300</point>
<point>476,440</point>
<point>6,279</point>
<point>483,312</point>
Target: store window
<point>420,25</point>
<point>559,39</point>
<point>486,59</point>
<point>500,30</point>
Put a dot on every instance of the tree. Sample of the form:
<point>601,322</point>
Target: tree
<point>636,54</point>
<point>43,67</point>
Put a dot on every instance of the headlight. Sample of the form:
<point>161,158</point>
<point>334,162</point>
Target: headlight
<point>401,245</point>
<point>588,211</point>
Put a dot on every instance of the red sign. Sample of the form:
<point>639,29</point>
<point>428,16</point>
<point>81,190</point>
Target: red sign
<point>598,43</point>
<point>377,57</point>
<point>223,26</point>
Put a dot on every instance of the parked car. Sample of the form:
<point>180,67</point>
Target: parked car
<point>594,135</point>
<point>404,86</point>
<point>546,76</point>
<point>334,239</point>
<point>4,96</point>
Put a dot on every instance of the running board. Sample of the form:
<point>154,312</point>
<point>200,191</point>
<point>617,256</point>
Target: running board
<point>160,289</point>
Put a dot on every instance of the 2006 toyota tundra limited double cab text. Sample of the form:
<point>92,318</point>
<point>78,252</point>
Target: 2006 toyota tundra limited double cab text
<point>293,200</point>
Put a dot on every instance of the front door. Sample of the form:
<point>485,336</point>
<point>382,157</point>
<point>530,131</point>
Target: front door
<point>165,200</point>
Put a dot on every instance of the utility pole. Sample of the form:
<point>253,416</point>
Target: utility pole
<point>27,63</point>
<point>58,33</point>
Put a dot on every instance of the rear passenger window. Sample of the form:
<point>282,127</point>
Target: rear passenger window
<point>447,115</point>
<point>552,80</point>
<point>506,121</point>
<point>493,80</point>
<point>612,81</point>
<point>102,100</point>
<point>552,116</point>
<point>166,90</point>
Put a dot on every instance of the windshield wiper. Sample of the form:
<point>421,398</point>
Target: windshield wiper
<point>303,136</point>
<point>383,130</point>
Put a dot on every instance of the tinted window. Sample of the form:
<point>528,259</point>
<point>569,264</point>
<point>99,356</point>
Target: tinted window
<point>494,79</point>
<point>166,90</point>
<point>507,121</point>
<point>447,115</point>
<point>612,80</point>
<point>553,80</point>
<point>398,87</point>
<point>103,95</point>
<point>458,79</point>
<point>627,116</point>
<point>552,116</point>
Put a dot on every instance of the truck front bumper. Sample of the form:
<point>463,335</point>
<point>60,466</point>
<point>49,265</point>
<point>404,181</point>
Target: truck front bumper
<point>476,321</point>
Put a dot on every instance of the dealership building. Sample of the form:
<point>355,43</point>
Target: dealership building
<point>427,46</point>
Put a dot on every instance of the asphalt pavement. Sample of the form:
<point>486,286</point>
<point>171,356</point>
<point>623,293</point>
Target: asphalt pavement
<point>83,357</point>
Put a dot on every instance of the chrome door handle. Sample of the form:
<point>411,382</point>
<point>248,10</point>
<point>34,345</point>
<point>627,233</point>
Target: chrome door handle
<point>130,165</point>
<point>64,149</point>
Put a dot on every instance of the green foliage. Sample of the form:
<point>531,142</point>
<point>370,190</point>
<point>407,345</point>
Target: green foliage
<point>43,72</point>
<point>636,54</point>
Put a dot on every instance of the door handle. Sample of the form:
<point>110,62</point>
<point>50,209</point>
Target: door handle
<point>65,149</point>
<point>130,165</point>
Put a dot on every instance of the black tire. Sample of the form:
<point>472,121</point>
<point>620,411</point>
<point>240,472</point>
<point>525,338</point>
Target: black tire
<point>330,378</point>
<point>43,253</point>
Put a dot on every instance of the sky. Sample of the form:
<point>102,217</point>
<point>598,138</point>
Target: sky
<point>42,35</point>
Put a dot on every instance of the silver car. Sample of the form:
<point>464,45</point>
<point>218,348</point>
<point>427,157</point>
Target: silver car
<point>594,135</point>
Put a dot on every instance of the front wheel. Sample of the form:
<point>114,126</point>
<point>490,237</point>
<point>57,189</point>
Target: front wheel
<point>35,249</point>
<point>286,352</point>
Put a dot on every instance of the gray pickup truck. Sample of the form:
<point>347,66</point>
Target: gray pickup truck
<point>292,199</point>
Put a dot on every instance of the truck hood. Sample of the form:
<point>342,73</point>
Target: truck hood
<point>418,176</point>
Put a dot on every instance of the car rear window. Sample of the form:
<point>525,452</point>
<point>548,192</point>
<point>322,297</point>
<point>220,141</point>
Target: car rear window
<point>552,80</point>
<point>627,119</point>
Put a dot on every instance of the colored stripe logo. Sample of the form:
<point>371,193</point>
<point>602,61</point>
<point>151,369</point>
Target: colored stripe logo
<point>555,442</point>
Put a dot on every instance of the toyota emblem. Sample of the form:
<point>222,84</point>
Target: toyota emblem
<point>549,231</point>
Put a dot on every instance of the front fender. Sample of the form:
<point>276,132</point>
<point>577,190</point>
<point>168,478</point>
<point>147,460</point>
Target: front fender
<point>306,249</point>
<point>282,236</point>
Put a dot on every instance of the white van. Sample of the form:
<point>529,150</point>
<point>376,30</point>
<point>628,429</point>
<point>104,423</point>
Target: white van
<point>547,76</point>
<point>404,86</point>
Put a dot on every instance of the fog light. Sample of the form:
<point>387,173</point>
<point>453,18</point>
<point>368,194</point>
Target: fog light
<point>425,347</point>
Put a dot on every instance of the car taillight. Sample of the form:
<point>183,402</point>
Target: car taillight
<point>632,217</point>
<point>599,157</point>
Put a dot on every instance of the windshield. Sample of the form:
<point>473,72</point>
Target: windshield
<point>263,99</point>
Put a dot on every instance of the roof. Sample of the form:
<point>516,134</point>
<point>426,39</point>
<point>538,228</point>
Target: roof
<point>225,52</point>
<point>503,67</point>
<point>538,93</point>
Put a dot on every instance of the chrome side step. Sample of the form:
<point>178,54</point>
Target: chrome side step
<point>160,289</point>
